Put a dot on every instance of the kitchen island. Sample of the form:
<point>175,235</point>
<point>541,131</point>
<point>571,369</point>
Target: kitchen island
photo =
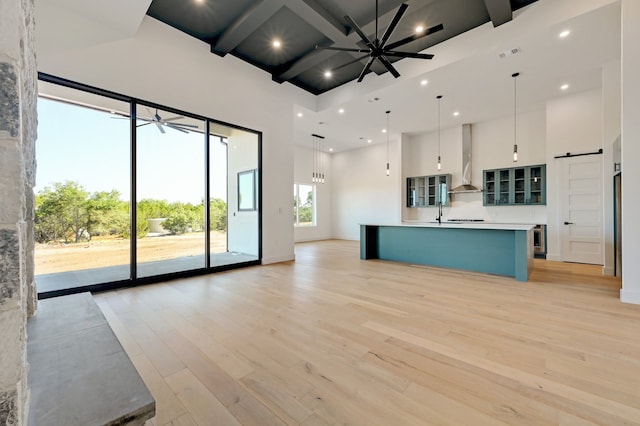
<point>492,248</point>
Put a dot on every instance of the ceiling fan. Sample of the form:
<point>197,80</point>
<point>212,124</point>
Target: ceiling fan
<point>168,122</point>
<point>378,48</point>
<point>161,123</point>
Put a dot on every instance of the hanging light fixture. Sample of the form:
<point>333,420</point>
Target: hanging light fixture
<point>515,92</point>
<point>317,174</point>
<point>439,97</point>
<point>388,112</point>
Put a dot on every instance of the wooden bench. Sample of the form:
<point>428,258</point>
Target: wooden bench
<point>79,373</point>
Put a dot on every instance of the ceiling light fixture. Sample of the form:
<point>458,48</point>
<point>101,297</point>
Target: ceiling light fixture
<point>328,74</point>
<point>387,132</point>
<point>299,114</point>
<point>564,33</point>
<point>419,29</point>
<point>384,130</point>
<point>439,98</point>
<point>456,113</point>
<point>515,111</point>
<point>564,87</point>
<point>317,175</point>
<point>424,82</point>
<point>276,43</point>
<point>330,150</point>
<point>368,140</point>
<point>341,111</point>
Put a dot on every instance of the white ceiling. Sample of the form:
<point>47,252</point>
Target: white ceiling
<point>472,78</point>
<point>466,70</point>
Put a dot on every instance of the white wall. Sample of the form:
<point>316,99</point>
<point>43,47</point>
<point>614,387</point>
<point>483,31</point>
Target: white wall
<point>630,151</point>
<point>492,147</point>
<point>163,65</point>
<point>362,192</point>
<point>574,124</point>
<point>303,167</point>
<point>242,151</point>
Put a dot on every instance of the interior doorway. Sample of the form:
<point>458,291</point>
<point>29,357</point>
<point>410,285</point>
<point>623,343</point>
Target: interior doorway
<point>581,209</point>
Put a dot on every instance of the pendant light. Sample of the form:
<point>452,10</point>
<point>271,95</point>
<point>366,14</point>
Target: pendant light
<point>388,112</point>
<point>515,93</point>
<point>439,97</point>
<point>317,174</point>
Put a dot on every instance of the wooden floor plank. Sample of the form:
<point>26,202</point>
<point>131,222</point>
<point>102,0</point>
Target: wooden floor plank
<point>332,339</point>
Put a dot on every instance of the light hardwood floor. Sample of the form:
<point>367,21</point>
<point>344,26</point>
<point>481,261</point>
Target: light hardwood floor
<point>331,339</point>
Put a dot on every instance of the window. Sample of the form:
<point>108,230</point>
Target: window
<point>103,221</point>
<point>304,209</point>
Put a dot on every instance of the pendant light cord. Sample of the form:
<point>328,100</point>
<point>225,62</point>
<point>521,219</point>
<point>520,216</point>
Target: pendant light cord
<point>439,98</point>
<point>388,112</point>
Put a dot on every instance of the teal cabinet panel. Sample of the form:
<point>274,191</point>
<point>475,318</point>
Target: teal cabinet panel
<point>493,251</point>
<point>425,191</point>
<point>525,185</point>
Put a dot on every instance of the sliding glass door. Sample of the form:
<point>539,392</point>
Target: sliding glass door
<point>170,192</point>
<point>186,188</point>
<point>82,191</point>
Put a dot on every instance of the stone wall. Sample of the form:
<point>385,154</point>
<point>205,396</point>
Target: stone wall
<point>18,96</point>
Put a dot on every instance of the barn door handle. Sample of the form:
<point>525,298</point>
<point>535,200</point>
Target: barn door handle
<point>568,223</point>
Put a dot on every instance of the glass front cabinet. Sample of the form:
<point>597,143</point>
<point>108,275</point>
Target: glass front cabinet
<point>427,191</point>
<point>515,186</point>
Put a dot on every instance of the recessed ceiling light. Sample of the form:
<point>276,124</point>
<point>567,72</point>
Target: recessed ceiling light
<point>384,130</point>
<point>299,114</point>
<point>456,113</point>
<point>424,82</point>
<point>564,33</point>
<point>276,43</point>
<point>564,87</point>
<point>341,111</point>
<point>368,140</point>
<point>327,74</point>
<point>419,29</point>
<point>330,149</point>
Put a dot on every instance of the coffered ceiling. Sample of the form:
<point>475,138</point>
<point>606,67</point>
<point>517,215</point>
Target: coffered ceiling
<point>248,29</point>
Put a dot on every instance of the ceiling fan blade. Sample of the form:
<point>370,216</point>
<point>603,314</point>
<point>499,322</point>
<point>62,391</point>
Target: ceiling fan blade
<point>408,54</point>
<point>176,127</point>
<point>366,69</point>
<point>351,62</point>
<point>159,126</point>
<point>413,37</point>
<point>192,126</point>
<point>140,125</point>
<point>357,29</point>
<point>177,117</point>
<point>388,65</point>
<point>394,23</point>
<point>343,49</point>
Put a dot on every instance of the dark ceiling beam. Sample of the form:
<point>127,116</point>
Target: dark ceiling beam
<point>499,11</point>
<point>245,25</point>
<point>316,15</point>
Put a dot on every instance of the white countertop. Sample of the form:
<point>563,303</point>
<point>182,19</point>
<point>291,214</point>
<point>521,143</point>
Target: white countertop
<point>464,225</point>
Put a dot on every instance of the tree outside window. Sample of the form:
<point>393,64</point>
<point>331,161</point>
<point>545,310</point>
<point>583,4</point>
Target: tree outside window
<point>303,205</point>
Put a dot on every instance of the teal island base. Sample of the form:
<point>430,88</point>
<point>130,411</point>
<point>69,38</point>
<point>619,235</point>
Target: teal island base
<point>500,249</point>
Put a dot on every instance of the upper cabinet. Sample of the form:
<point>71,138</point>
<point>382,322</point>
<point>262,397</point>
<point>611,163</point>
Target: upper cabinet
<point>427,191</point>
<point>515,186</point>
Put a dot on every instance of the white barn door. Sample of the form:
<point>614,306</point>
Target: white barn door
<point>581,216</point>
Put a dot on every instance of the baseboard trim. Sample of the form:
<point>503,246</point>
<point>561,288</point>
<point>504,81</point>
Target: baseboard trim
<point>627,296</point>
<point>608,271</point>
<point>278,259</point>
<point>554,257</point>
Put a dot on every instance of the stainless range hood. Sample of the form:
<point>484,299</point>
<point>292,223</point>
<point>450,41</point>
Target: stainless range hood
<point>466,186</point>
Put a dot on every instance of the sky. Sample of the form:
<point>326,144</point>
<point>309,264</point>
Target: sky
<point>92,148</point>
